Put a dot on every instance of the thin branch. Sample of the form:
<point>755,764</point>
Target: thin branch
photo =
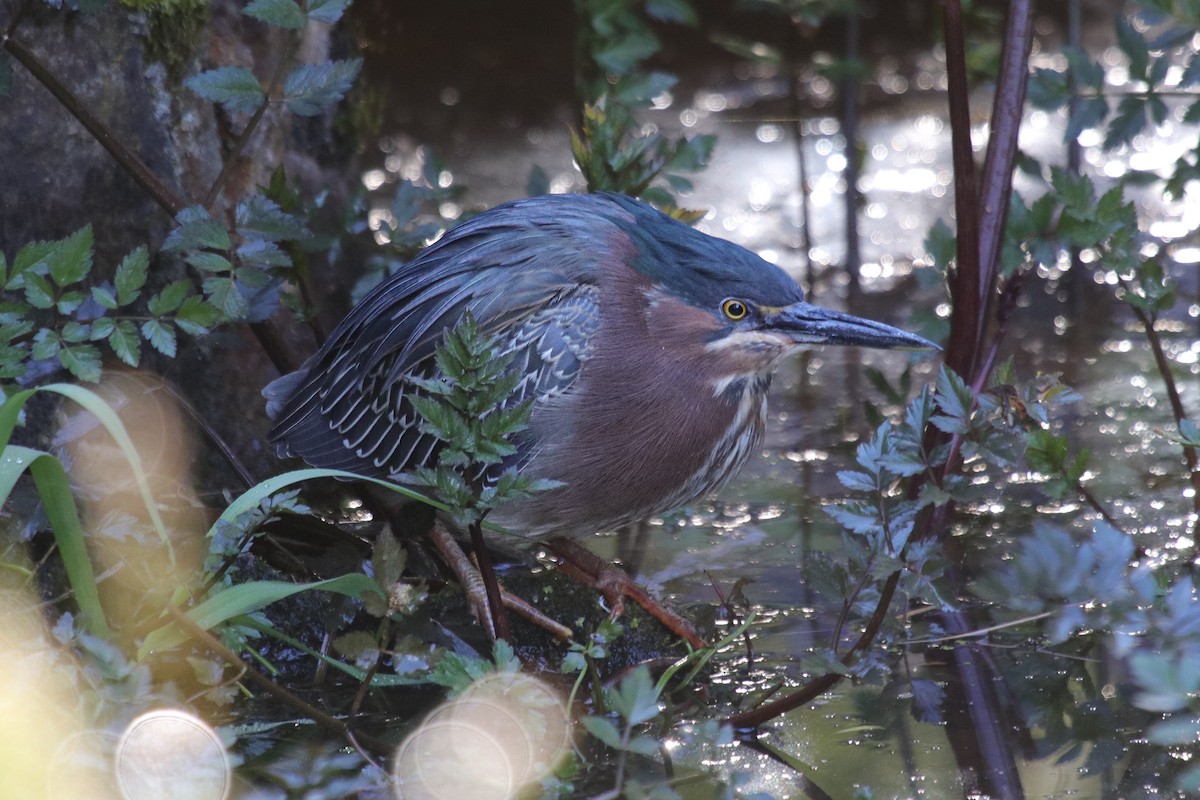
<point>965,286</point>
<point>275,690</point>
<point>1189,453</point>
<point>158,191</point>
<point>236,154</point>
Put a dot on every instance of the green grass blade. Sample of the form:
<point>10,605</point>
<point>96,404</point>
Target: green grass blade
<point>377,680</point>
<point>95,404</point>
<point>246,598</point>
<point>55,491</point>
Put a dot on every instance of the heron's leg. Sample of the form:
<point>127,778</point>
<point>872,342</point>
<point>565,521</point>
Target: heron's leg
<point>472,583</point>
<point>614,583</point>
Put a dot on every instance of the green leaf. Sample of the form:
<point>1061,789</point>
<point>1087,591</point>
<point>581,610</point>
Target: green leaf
<point>31,256</point>
<point>131,276</point>
<point>677,11</point>
<point>622,54</point>
<point>223,294</point>
<point>71,259</point>
<point>245,598</point>
<point>160,335</point>
<point>82,361</point>
<point>327,10</point>
<point>260,252</point>
<point>261,218</point>
<point>196,229</point>
<point>55,491</point>
<point>75,332</point>
<point>1134,46</point>
<point>196,317</point>
<point>170,298</point>
<point>125,343</point>
<point>45,345</point>
<point>309,88</point>
<point>280,13</point>
<point>604,730</point>
<point>102,328</point>
<point>209,262</point>
<point>235,88</point>
<point>38,291</point>
<point>635,698</point>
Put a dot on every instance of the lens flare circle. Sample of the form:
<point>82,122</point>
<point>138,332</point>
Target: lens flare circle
<point>171,753</point>
<point>504,731</point>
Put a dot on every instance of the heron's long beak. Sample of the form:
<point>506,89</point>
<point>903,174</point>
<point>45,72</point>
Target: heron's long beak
<point>805,323</point>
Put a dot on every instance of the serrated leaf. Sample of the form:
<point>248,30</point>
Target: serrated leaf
<point>280,13</point>
<point>677,11</point>
<point>223,294</point>
<point>209,262</point>
<point>131,276</point>
<point>327,10</point>
<point>1134,46</point>
<point>102,328</point>
<point>261,218</point>
<point>195,317</point>
<point>857,481</point>
<point>69,302</point>
<point>170,298</point>
<point>309,88</point>
<point>160,335</point>
<point>263,253</point>
<point>621,54</point>
<point>82,361</point>
<point>604,730</point>
<point>71,258</point>
<point>38,291</point>
<point>125,343</point>
<point>75,332</point>
<point>196,229</point>
<point>235,88</point>
<point>45,345</point>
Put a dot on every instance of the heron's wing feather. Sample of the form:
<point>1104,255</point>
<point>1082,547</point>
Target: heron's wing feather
<point>534,286</point>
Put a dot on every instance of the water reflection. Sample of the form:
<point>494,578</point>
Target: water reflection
<point>769,524</point>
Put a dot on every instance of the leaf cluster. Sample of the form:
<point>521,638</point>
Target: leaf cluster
<point>468,405</point>
<point>613,152</point>
<point>49,316</point>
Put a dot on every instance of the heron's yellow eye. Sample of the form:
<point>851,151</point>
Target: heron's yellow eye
<point>735,309</point>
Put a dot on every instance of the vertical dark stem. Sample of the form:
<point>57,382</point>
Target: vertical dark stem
<point>1007,106</point>
<point>1189,453</point>
<point>483,560</point>
<point>964,284</point>
<point>849,91</point>
<point>804,223</point>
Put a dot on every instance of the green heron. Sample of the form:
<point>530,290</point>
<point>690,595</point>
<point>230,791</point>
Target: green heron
<point>646,347</point>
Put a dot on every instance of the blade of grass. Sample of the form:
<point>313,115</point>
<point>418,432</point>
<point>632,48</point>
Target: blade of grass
<point>95,405</point>
<point>55,490</point>
<point>246,598</point>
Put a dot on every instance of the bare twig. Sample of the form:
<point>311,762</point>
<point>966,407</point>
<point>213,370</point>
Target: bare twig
<point>275,690</point>
<point>236,154</point>
<point>158,191</point>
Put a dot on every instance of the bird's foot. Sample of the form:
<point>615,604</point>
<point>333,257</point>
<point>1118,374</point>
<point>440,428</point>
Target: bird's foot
<point>473,586</point>
<point>615,584</point>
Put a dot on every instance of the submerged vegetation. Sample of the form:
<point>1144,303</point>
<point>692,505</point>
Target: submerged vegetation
<point>126,589</point>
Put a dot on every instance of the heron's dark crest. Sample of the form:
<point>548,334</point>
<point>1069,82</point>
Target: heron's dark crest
<point>646,347</point>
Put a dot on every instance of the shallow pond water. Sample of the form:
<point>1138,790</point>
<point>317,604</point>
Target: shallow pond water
<point>770,521</point>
